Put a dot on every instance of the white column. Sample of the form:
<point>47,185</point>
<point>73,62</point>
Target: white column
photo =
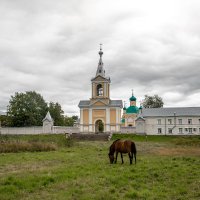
<point>107,120</point>
<point>81,120</point>
<point>90,119</point>
<point>94,89</point>
<point>118,119</point>
<point>105,94</point>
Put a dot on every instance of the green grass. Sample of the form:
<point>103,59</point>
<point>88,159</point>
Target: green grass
<point>179,140</point>
<point>165,170</point>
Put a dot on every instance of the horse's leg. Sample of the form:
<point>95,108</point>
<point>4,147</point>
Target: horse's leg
<point>130,157</point>
<point>116,157</point>
<point>122,158</point>
<point>135,157</point>
<point>133,151</point>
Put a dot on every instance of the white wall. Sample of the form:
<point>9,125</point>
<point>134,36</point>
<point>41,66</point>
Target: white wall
<point>128,129</point>
<point>37,130</point>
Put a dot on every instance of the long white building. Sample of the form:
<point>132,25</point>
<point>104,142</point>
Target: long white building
<point>169,121</point>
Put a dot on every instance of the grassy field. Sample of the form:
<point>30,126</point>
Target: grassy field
<point>167,168</point>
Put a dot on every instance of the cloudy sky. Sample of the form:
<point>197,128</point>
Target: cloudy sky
<point>150,46</point>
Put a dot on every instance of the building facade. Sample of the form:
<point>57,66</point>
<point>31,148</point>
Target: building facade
<point>100,113</point>
<point>169,121</point>
<point>130,114</point>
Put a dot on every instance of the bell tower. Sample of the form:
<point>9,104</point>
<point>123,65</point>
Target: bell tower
<point>101,83</point>
<point>100,114</point>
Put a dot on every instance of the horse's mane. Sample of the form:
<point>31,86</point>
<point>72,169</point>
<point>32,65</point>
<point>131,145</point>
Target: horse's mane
<point>116,140</point>
<point>112,145</point>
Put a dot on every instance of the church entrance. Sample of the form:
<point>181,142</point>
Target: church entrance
<point>99,126</point>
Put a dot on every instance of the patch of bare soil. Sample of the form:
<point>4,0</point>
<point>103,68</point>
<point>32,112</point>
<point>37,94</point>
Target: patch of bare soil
<point>167,149</point>
<point>176,151</point>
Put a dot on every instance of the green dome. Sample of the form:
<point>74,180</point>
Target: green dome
<point>132,109</point>
<point>132,98</point>
<point>123,120</point>
<point>140,107</point>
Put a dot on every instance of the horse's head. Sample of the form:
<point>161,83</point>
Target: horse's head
<point>111,156</point>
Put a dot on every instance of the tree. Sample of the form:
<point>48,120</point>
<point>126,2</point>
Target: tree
<point>152,102</point>
<point>27,109</point>
<point>4,120</point>
<point>56,113</point>
<point>69,121</point>
<point>75,117</point>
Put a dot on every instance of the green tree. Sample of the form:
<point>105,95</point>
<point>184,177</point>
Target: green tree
<point>152,102</point>
<point>56,113</point>
<point>4,120</point>
<point>69,121</point>
<point>101,126</point>
<point>26,109</point>
<point>75,117</point>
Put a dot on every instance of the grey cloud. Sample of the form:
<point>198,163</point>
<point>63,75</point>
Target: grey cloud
<point>52,47</point>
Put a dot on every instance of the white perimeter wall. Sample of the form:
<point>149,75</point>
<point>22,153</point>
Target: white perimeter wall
<point>37,130</point>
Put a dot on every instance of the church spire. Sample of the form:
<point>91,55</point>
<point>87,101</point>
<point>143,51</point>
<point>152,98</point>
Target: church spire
<point>100,69</point>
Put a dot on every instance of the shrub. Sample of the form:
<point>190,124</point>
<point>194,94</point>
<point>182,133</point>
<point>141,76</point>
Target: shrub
<point>19,146</point>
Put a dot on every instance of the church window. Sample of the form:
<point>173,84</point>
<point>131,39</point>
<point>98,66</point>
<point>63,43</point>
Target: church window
<point>99,90</point>
<point>180,121</point>
<point>189,121</point>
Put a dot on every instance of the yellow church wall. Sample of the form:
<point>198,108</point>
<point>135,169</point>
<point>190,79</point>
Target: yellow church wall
<point>85,116</point>
<point>112,116</point>
<point>98,114</point>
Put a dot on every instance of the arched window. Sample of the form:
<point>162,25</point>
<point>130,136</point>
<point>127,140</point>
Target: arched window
<point>99,90</point>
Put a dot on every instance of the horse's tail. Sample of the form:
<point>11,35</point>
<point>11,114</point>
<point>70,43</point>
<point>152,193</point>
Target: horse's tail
<point>133,150</point>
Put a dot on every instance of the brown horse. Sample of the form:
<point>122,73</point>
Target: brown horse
<point>126,146</point>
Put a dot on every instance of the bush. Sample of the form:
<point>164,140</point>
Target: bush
<point>19,146</point>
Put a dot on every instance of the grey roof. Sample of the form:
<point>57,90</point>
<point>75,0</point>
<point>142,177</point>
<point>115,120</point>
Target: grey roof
<point>48,117</point>
<point>117,103</point>
<point>140,117</point>
<point>100,69</point>
<point>167,112</point>
<point>113,103</point>
<point>107,79</point>
<point>84,103</point>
